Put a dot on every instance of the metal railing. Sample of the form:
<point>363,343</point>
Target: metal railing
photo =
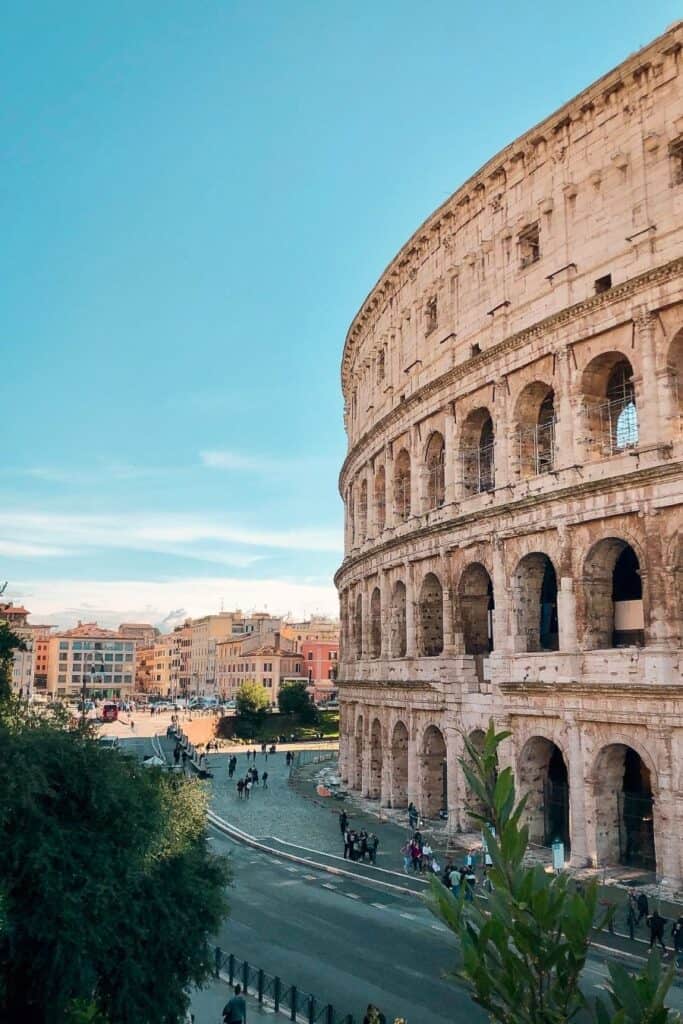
<point>290,1000</point>
<point>304,757</point>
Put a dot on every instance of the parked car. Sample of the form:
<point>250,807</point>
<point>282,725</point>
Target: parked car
<point>109,742</point>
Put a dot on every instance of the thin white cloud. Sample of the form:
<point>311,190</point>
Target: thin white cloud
<point>17,549</point>
<point>231,461</point>
<point>165,534</point>
<point>64,602</point>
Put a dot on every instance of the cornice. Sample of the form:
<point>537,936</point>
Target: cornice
<point>640,691</point>
<point>581,489</point>
<point>656,275</point>
<point>491,177</point>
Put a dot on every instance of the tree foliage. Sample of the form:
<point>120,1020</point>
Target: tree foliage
<point>523,952</point>
<point>9,643</point>
<point>293,699</point>
<point>252,706</point>
<point>108,892</point>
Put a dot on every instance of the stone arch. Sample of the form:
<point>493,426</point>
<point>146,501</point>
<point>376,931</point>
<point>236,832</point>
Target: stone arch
<point>625,786</point>
<point>356,773</point>
<point>543,776</point>
<point>399,635</point>
<point>477,452</point>
<point>613,595</point>
<point>351,506</point>
<point>476,606</point>
<point>380,498</point>
<point>534,590</point>
<point>432,762</point>
<point>363,510</point>
<point>376,758</point>
<point>535,429</point>
<point>358,627</point>
<point>435,456</point>
<point>431,616</point>
<point>611,415</point>
<point>375,623</point>
<point>402,485</point>
<point>399,765</point>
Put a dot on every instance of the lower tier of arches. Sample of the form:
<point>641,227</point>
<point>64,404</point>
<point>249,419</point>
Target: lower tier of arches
<point>610,792</point>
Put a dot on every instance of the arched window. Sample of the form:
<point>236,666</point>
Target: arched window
<point>534,587</point>
<point>436,486</point>
<point>402,485</point>
<point>535,417</point>
<point>363,511</point>
<point>380,498</point>
<point>398,621</point>
<point>431,616</point>
<point>610,405</point>
<point>375,624</point>
<point>614,596</point>
<point>477,452</point>
<point>351,506</point>
<point>621,401</point>
<point>475,602</point>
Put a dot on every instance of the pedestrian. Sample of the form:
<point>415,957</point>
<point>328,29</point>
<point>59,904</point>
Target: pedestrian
<point>677,939</point>
<point>343,821</point>
<point>406,850</point>
<point>412,815</point>
<point>235,1010</point>
<point>231,769</point>
<point>132,725</point>
<point>373,843</point>
<point>347,844</point>
<point>240,788</point>
<point>609,906</point>
<point>446,876</point>
<point>631,917</point>
<point>656,924</point>
<point>247,788</point>
<point>363,840</point>
<point>455,881</point>
<point>254,776</point>
<point>470,882</point>
<point>415,855</point>
<point>373,1015</point>
<point>264,780</point>
<point>643,906</point>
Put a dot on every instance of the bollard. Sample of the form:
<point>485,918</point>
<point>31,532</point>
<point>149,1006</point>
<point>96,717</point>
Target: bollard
<point>292,1003</point>
<point>245,976</point>
<point>260,985</point>
<point>276,994</point>
<point>231,967</point>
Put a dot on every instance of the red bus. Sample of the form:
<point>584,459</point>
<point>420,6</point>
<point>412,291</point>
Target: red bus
<point>110,712</point>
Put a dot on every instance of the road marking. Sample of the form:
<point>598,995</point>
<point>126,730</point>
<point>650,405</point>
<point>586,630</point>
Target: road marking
<point>438,928</point>
<point>289,881</point>
<point>311,878</point>
<point>289,868</point>
<point>380,906</point>
<point>409,917</point>
<point>326,885</point>
<point>352,895</point>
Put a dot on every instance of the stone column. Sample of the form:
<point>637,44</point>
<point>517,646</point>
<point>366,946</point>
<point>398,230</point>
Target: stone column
<point>389,510</point>
<point>658,587</point>
<point>647,400</point>
<point>448,635</point>
<point>411,631</point>
<point>413,765</point>
<point>669,388</point>
<point>502,626</point>
<point>566,614</point>
<point>367,754</point>
<point>450,459</point>
<point>455,779</point>
<point>501,427</point>
<point>386,779</point>
<point>565,428</point>
<point>385,601</point>
<point>577,809</point>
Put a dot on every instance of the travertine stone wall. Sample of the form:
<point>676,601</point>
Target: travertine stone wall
<point>513,391</point>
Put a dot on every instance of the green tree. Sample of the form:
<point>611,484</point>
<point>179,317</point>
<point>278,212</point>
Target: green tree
<point>252,706</point>
<point>9,643</point>
<point>523,952</point>
<point>293,699</point>
<point>108,892</point>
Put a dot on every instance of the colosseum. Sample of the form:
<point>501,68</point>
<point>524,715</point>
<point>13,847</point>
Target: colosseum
<point>513,390</point>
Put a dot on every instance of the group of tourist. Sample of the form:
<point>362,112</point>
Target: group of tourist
<point>637,910</point>
<point>251,779</point>
<point>418,855</point>
<point>359,845</point>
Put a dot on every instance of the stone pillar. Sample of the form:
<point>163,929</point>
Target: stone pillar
<point>411,625</point>
<point>389,510</point>
<point>418,474</point>
<point>386,779</point>
<point>501,427</point>
<point>367,755</point>
<point>385,602</point>
<point>455,779</point>
<point>577,810</point>
<point>566,614</point>
<point>647,399</point>
<point>413,766</point>
<point>450,459</point>
<point>448,635</point>
<point>502,614</point>
<point>565,428</point>
<point>670,392</point>
<point>658,587</point>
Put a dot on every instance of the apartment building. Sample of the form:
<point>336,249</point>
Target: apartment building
<point>93,658</point>
<point>265,658</point>
<point>142,633</point>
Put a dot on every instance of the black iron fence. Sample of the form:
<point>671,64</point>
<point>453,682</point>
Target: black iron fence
<point>296,1004</point>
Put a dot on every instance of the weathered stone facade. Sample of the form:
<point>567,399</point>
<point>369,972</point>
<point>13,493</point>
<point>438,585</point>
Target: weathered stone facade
<point>513,392</point>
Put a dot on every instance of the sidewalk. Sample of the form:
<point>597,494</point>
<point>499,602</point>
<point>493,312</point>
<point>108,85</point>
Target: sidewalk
<point>208,1003</point>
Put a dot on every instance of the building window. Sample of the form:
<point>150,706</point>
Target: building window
<point>63,645</point>
<point>676,158</point>
<point>603,284</point>
<point>529,241</point>
<point>431,315</point>
<point>310,655</point>
<point>61,679</point>
<point>380,365</point>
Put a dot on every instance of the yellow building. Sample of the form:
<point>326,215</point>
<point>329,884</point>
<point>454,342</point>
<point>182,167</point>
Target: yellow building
<point>93,659</point>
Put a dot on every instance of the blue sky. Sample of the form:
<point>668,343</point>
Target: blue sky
<point>195,198</point>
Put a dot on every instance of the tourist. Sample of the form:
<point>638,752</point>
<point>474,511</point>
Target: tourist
<point>407,851</point>
<point>643,906</point>
<point>264,780</point>
<point>372,843</point>
<point>343,821</point>
<point>677,939</point>
<point>254,776</point>
<point>373,1015</point>
<point>247,788</point>
<point>632,914</point>
<point>347,845</point>
<point>656,924</point>
<point>235,1011</point>
<point>412,815</point>
<point>240,788</point>
<point>415,855</point>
